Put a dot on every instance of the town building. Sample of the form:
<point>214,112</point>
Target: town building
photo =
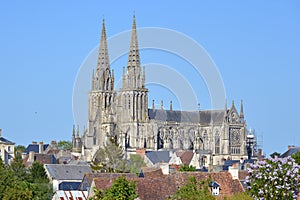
<point>7,149</point>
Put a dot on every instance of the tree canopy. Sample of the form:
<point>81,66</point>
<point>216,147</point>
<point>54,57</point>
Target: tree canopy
<point>194,190</point>
<point>120,189</point>
<point>296,157</point>
<point>65,145</point>
<point>110,158</point>
<point>187,168</point>
<point>17,182</point>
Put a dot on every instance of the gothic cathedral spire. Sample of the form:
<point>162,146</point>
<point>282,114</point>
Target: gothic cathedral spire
<point>103,78</point>
<point>134,78</point>
<point>134,56</point>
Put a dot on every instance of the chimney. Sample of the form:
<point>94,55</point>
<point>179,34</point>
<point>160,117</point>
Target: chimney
<point>162,104</point>
<point>34,142</point>
<point>0,132</point>
<point>259,154</point>
<point>289,147</point>
<point>41,145</point>
<point>31,157</point>
<point>171,106</point>
<point>153,106</point>
<point>141,152</point>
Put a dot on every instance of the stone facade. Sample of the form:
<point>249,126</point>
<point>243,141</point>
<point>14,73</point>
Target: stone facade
<point>214,134</point>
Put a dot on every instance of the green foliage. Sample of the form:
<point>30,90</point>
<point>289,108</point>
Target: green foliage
<point>20,149</point>
<point>38,173</point>
<point>296,157</point>
<point>274,154</point>
<point>20,190</point>
<point>187,168</point>
<point>136,163</point>
<point>18,168</point>
<point>16,182</point>
<point>239,196</point>
<point>65,145</point>
<point>110,158</point>
<point>121,189</point>
<point>194,190</point>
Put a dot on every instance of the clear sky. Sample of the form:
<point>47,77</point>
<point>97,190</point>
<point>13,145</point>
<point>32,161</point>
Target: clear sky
<point>255,45</point>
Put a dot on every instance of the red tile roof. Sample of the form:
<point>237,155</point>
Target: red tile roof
<point>163,186</point>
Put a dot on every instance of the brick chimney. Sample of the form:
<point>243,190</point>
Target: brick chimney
<point>141,152</point>
<point>289,147</point>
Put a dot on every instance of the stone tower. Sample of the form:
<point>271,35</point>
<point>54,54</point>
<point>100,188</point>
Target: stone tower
<point>101,99</point>
<point>133,96</point>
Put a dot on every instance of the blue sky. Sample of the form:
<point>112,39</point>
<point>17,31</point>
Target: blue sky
<point>255,46</point>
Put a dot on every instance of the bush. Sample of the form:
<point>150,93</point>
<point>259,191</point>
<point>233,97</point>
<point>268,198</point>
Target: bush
<point>275,178</point>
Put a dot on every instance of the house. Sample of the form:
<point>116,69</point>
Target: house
<point>36,147</point>
<point>160,187</point>
<point>65,177</point>
<point>39,157</point>
<point>291,150</point>
<point>7,151</point>
<point>67,195</point>
<point>40,152</point>
<point>155,158</point>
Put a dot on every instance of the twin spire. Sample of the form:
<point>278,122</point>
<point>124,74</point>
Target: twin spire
<point>103,78</point>
<point>134,56</point>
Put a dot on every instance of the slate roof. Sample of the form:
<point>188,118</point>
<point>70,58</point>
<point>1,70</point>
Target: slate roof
<point>205,117</point>
<point>35,148</point>
<point>3,140</point>
<point>229,163</point>
<point>214,184</point>
<point>158,156</point>
<point>67,172</point>
<point>290,152</point>
<point>69,185</point>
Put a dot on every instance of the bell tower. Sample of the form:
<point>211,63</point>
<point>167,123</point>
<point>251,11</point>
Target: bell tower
<point>101,98</point>
<point>133,94</point>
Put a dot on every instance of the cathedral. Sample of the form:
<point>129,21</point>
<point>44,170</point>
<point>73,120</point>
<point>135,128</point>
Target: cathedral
<point>125,114</point>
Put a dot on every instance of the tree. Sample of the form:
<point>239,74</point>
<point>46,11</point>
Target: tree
<point>18,168</point>
<point>187,168</point>
<point>16,182</point>
<point>274,178</point>
<point>20,148</point>
<point>296,157</point>
<point>136,162</point>
<point>110,158</point>
<point>194,190</point>
<point>38,173</point>
<point>274,154</point>
<point>65,145</point>
<point>120,189</point>
<point>19,190</point>
<point>239,196</point>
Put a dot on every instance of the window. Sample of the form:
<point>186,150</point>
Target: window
<point>9,148</point>
<point>217,142</point>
